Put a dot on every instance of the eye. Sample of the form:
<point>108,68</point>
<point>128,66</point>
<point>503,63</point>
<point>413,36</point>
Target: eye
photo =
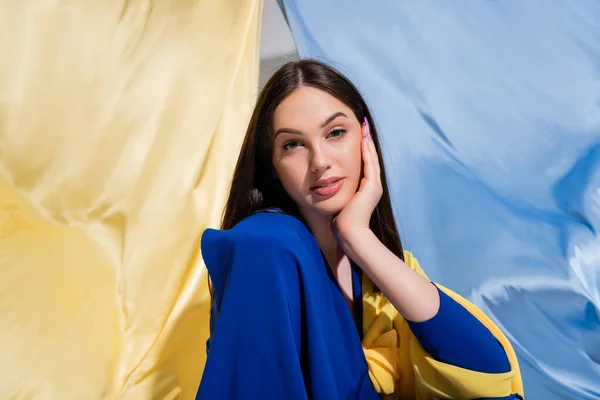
<point>336,133</point>
<point>290,145</point>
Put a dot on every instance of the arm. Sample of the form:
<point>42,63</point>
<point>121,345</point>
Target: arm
<point>411,294</point>
<point>442,356</point>
<point>449,381</point>
<point>415,298</point>
<point>445,329</point>
<point>253,351</point>
<point>454,336</point>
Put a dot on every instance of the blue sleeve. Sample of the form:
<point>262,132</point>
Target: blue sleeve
<point>455,336</point>
<point>253,351</point>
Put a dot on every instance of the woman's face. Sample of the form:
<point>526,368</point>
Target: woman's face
<point>317,154</point>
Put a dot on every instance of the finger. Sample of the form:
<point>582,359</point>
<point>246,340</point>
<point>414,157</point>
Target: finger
<point>374,159</point>
<point>376,182</point>
<point>366,157</point>
<point>374,156</point>
<point>370,167</point>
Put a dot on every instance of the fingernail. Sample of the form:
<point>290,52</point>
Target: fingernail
<point>368,127</point>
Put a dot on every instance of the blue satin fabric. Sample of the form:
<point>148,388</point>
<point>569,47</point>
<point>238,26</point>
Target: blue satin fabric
<point>489,112</point>
<point>280,328</point>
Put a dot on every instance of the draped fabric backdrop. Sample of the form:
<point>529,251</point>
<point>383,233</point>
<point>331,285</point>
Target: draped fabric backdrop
<point>490,117</point>
<point>120,123</point>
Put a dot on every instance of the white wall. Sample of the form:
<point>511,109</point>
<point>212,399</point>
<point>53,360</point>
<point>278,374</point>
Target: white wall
<point>276,40</point>
<point>276,45</point>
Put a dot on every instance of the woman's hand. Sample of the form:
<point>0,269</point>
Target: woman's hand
<point>415,298</point>
<point>355,216</point>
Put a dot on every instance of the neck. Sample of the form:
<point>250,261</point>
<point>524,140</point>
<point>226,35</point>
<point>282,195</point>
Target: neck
<point>320,227</point>
<point>337,261</point>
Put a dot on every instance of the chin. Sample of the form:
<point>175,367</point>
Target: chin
<point>331,206</point>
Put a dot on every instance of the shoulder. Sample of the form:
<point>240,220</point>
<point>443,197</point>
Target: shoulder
<point>264,229</point>
<point>271,224</point>
<point>260,244</point>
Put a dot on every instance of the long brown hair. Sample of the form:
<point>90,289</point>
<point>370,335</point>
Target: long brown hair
<point>254,185</point>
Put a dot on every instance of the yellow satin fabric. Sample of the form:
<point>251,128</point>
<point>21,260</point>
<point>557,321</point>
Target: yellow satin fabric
<point>400,368</point>
<point>120,123</point>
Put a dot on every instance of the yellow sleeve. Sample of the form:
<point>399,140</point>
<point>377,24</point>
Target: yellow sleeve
<point>400,368</point>
<point>434,379</point>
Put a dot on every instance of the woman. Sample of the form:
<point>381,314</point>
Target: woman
<point>313,295</point>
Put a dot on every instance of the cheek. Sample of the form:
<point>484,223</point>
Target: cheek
<point>290,174</point>
<point>354,158</point>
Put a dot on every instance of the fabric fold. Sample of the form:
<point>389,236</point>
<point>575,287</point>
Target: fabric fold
<point>117,124</point>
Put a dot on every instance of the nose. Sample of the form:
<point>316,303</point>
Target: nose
<point>320,160</point>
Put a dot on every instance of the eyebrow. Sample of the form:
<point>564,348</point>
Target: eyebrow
<point>323,125</point>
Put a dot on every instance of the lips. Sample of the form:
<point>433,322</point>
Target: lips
<point>327,187</point>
